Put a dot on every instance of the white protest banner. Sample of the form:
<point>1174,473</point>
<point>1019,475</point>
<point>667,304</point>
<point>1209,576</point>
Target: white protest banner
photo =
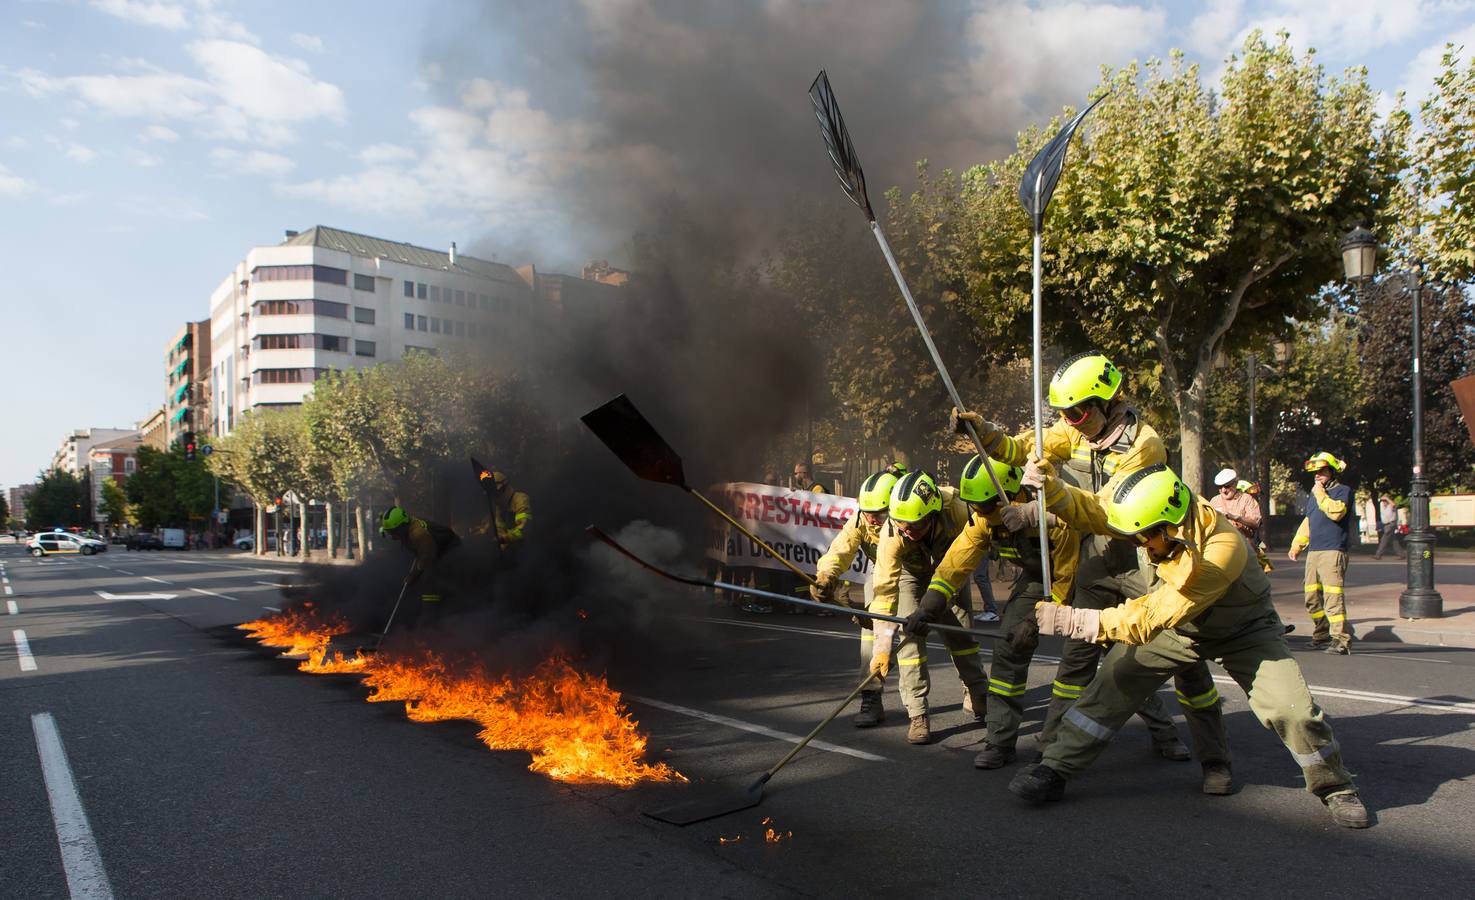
<point>798,524</point>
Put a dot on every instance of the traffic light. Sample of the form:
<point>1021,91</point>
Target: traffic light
<point>189,446</point>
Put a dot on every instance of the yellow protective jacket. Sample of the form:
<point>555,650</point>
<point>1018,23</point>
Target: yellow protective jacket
<point>1208,571</point>
<point>1095,470</point>
<point>858,535</point>
<point>513,517</point>
<point>895,553</point>
<point>1021,548</point>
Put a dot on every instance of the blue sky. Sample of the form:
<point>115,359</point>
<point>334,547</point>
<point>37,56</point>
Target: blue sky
<point>146,144</point>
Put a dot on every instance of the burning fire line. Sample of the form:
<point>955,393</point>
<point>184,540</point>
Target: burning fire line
<point>572,722</point>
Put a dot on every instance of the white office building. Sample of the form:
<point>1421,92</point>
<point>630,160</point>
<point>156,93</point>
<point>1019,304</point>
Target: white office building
<point>72,455</point>
<point>329,299</point>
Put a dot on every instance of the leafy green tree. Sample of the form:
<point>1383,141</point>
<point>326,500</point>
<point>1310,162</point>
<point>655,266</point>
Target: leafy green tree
<point>1188,223</point>
<point>166,491</point>
<point>114,505</point>
<point>59,501</point>
<point>4,513</point>
<point>1443,176</point>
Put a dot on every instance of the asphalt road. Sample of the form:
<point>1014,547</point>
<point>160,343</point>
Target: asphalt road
<point>150,751</point>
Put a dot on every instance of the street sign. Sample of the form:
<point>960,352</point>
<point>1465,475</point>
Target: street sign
<point>1452,511</point>
<point>207,449</point>
<point>223,516</point>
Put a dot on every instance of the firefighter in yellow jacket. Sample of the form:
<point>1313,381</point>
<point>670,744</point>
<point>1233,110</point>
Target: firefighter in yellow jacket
<point>1327,532</point>
<point>860,535</point>
<point>1211,603</point>
<point>924,522</point>
<point>428,541</point>
<point>1009,677</point>
<point>511,511</point>
<point>1098,441</point>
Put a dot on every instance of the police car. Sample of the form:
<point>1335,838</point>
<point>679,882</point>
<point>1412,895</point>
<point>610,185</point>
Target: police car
<point>49,542</point>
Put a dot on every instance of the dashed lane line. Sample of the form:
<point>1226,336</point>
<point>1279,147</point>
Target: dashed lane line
<point>11,608</point>
<point>121,572</point>
<point>213,594</point>
<point>275,584</point>
<point>754,728</point>
<point>273,608</point>
<point>159,580</point>
<point>80,859</point>
<point>23,651</point>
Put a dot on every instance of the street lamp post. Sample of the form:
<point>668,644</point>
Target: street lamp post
<point>1420,599</point>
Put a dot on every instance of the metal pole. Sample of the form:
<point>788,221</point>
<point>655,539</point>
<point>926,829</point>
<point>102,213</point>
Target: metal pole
<point>1262,498</point>
<point>1039,402</point>
<point>1419,600</point>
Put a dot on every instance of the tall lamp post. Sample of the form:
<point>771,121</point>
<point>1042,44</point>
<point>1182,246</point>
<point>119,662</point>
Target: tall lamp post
<point>1419,599</point>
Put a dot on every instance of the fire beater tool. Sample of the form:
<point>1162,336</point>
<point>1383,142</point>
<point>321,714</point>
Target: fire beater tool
<point>641,448</point>
<point>1035,190</point>
<point>404,586</point>
<point>711,801</point>
<point>853,181</point>
<point>483,475</point>
<point>598,534</point>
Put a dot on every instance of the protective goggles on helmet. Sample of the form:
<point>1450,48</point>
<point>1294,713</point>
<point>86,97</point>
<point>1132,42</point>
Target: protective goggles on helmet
<point>1077,414</point>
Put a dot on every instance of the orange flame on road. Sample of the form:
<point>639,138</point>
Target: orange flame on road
<point>572,722</point>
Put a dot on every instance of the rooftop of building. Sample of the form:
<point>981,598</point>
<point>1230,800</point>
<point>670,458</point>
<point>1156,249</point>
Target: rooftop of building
<point>367,246</point>
<point>122,443</point>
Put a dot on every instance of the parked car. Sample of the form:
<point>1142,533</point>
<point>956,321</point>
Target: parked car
<point>174,538</point>
<point>144,542</point>
<point>246,542</point>
<point>50,542</point>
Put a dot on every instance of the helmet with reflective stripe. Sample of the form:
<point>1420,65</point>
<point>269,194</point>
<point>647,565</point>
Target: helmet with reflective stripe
<point>1324,459</point>
<point>1083,377</point>
<point>1247,487</point>
<point>393,518</point>
<point>875,492</point>
<point>915,497</point>
<point>976,487</point>
<point>1148,498</point>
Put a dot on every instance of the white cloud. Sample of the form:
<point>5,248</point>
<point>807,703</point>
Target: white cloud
<point>172,208</point>
<point>309,42</point>
<point>77,153</point>
<point>159,133</point>
<point>143,12</point>
<point>379,154</point>
<point>143,159</point>
<point>244,94</point>
<point>12,185</point>
<point>1338,27</point>
<point>69,123</point>
<point>1419,74</point>
<point>252,162</point>
<point>1211,31</point>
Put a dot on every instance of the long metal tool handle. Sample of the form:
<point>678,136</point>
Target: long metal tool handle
<point>751,536</point>
<point>598,534</point>
<point>849,699</point>
<point>1038,405</point>
<point>405,586</point>
<point>947,380</point>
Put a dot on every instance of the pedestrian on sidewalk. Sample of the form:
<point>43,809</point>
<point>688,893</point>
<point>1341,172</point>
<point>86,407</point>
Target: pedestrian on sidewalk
<point>1388,527</point>
<point>986,588</point>
<point>1326,534</point>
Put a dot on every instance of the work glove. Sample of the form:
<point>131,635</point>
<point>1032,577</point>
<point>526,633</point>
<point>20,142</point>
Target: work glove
<point>1019,518</point>
<point>932,605</point>
<point>1068,621</point>
<point>1025,636</point>
<point>880,664</point>
<point>1037,472</point>
<point>958,420</point>
<point>823,591</point>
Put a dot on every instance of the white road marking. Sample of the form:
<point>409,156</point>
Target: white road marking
<point>121,572</point>
<point>275,584</point>
<point>23,650</point>
<point>80,859</point>
<point>8,590</point>
<point>272,608</point>
<point>159,580</point>
<point>106,595</point>
<point>756,729</point>
<point>11,608</point>
<point>213,594</point>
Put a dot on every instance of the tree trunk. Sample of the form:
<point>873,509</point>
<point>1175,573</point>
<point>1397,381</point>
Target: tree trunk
<point>1191,405</point>
<point>302,530</point>
<point>358,523</point>
<point>332,541</point>
<point>258,541</point>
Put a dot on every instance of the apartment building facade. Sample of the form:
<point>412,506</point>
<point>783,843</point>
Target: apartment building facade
<point>114,460</point>
<point>186,381</point>
<point>18,497</point>
<point>72,456</point>
<point>327,299</point>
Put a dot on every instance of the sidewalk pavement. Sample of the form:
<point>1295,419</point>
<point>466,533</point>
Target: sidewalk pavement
<point>1373,587</point>
<point>319,557</point>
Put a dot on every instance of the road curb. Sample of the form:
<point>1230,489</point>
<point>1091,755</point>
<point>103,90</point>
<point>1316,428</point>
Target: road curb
<point>1412,634</point>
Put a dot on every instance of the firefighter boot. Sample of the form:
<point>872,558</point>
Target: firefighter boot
<point>1172,749</point>
<point>1038,783</point>
<point>872,713</point>
<point>975,702</point>
<point>919,732</point>
<point>991,757</point>
<point>1347,809</point>
<point>1218,781</point>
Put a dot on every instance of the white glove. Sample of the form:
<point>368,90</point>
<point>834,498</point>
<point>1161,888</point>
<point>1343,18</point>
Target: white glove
<point>1014,518</point>
<point>1036,472</point>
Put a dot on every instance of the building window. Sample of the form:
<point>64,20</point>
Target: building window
<point>460,298</point>
<point>420,324</point>
<point>434,325</point>
<point>282,307</point>
<point>363,348</point>
<point>278,376</point>
<point>324,274</point>
<point>278,341</point>
<point>420,290</point>
<point>486,302</point>
<point>332,342</point>
<point>363,315</point>
<point>331,309</point>
<point>410,289</point>
<point>460,329</point>
<point>409,321</point>
<point>363,283</point>
<point>434,294</point>
<point>129,464</point>
<point>430,351</point>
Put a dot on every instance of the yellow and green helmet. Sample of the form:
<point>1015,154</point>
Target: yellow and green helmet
<point>1148,498</point>
<point>976,487</point>
<point>1324,459</point>
<point>875,492</point>
<point>915,497</point>
<point>393,518</point>
<point>1085,376</point>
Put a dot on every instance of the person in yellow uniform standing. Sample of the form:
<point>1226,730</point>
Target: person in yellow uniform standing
<point>1099,440</point>
<point>1019,545</point>
<point>512,511</point>
<point>1211,603</point>
<point>1325,534</point>
<point>924,522</point>
<point>860,535</point>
